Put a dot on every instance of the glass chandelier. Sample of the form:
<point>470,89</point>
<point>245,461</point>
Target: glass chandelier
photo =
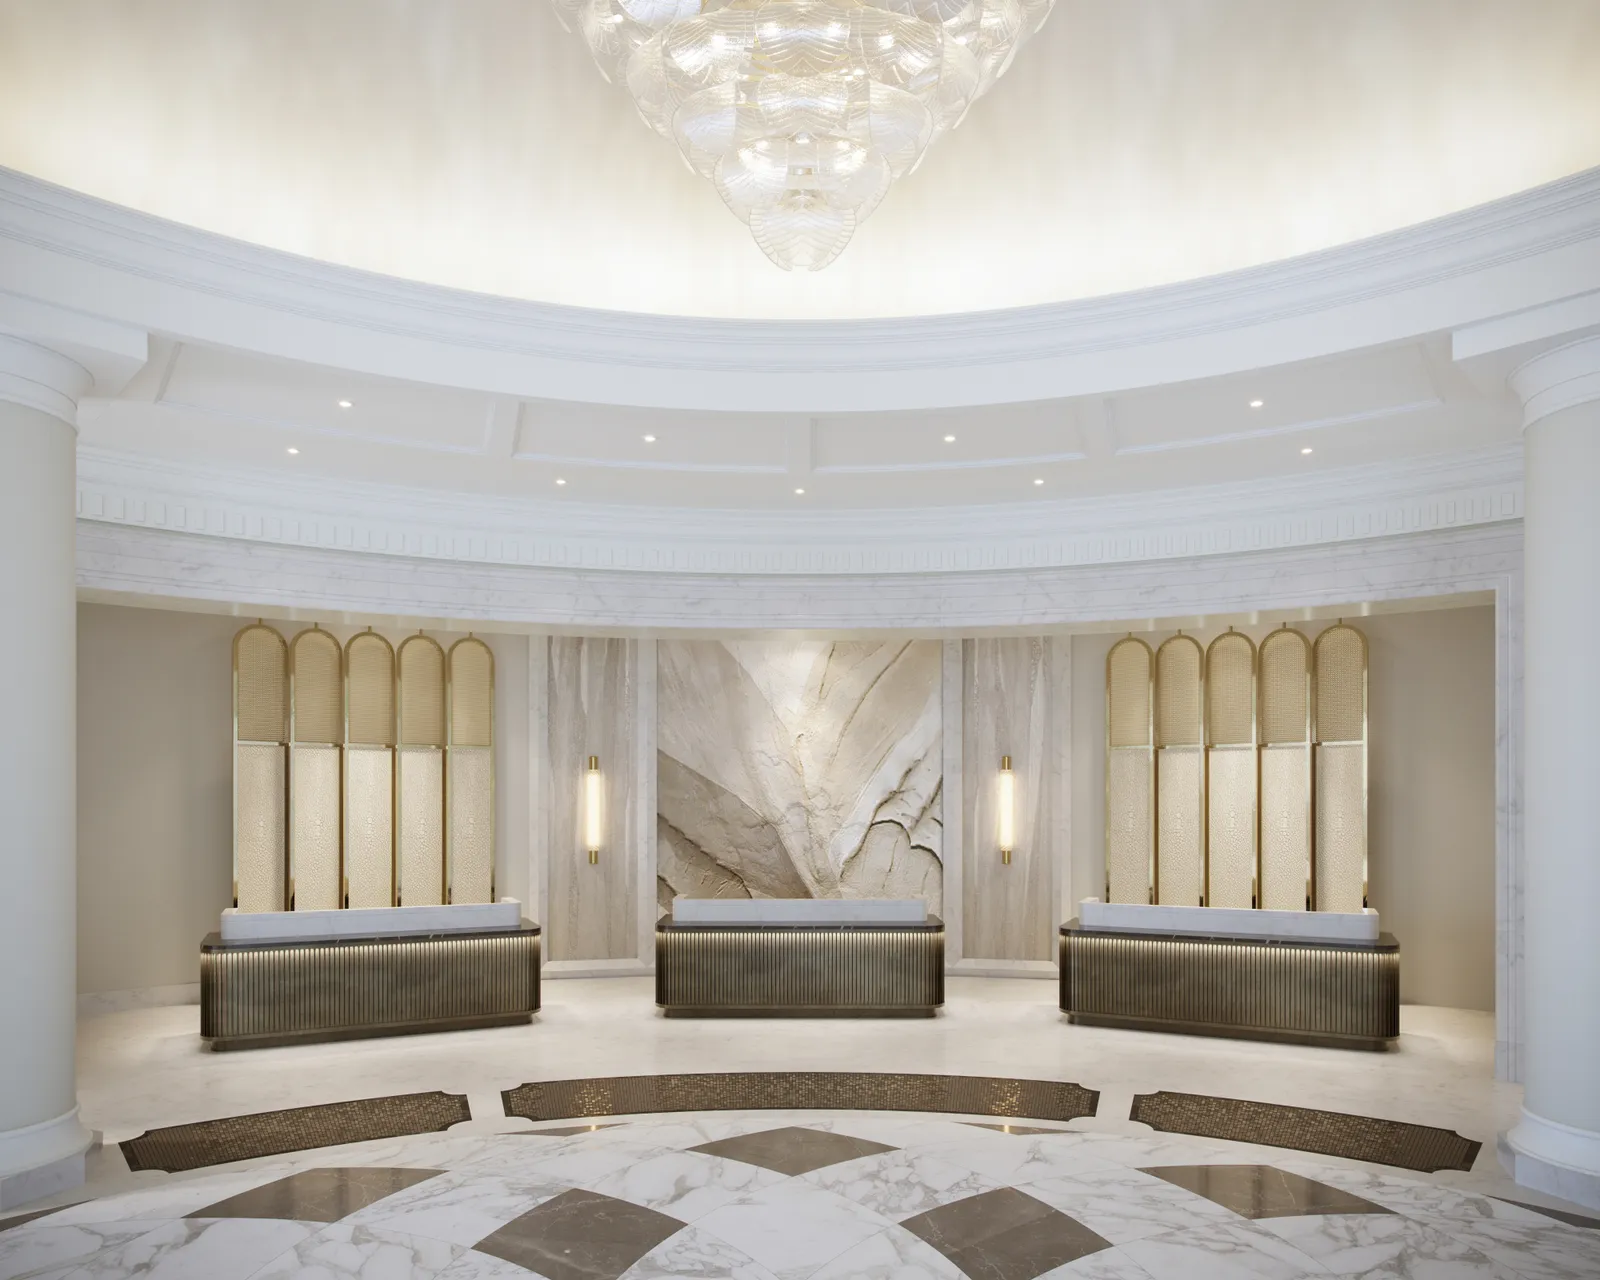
<point>802,112</point>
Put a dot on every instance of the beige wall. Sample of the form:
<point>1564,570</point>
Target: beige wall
<point>155,789</point>
<point>1431,825</point>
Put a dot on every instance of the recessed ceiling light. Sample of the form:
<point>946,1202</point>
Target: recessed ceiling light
<point>798,491</point>
<point>1038,482</point>
<point>1307,449</point>
<point>292,449</point>
<point>561,482</point>
<point>649,439</point>
<point>949,439</point>
<point>1256,404</point>
<point>344,404</point>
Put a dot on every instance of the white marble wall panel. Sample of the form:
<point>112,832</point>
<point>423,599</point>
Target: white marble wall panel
<point>591,912</point>
<point>799,769</point>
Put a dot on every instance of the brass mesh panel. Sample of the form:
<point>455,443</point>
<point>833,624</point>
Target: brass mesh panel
<point>314,827</point>
<point>369,826</point>
<point>1285,827</point>
<point>1231,821</point>
<point>1341,685</point>
<point>317,688</point>
<point>471,694</point>
<point>369,690</point>
<point>259,845</point>
<point>1128,693</point>
<point>261,685</point>
<point>419,840</point>
<point>1285,662</point>
<point>1129,830</point>
<point>1341,827</point>
<point>1231,690</point>
<point>471,799</point>
<point>421,702</point>
<point>1179,720</point>
<point>1180,844</point>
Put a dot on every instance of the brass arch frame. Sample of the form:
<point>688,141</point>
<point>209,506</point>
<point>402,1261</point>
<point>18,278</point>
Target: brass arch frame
<point>1319,742</point>
<point>314,635</point>
<point>365,639</point>
<point>469,641</point>
<point>1161,737</point>
<point>1148,748</point>
<point>1231,639</point>
<point>1281,636</point>
<point>281,741</point>
<point>405,740</point>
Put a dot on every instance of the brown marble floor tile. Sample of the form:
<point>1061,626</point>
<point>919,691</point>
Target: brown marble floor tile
<point>580,1235</point>
<point>1260,1191</point>
<point>317,1195</point>
<point>793,1150</point>
<point>1005,1235</point>
<point>19,1219</point>
<point>565,1131</point>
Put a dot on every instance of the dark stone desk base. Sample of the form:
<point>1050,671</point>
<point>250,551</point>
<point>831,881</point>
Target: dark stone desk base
<point>1342,995</point>
<point>260,994</point>
<point>800,971</point>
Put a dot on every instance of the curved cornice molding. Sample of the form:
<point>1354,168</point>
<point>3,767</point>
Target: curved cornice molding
<point>81,253</point>
<point>1335,506</point>
<point>1562,378</point>
<point>39,378</point>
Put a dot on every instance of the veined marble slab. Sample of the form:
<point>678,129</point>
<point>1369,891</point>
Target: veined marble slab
<point>1232,922</point>
<point>799,911</point>
<point>367,922</point>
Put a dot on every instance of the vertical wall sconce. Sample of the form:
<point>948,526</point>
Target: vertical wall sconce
<point>591,808</point>
<point>1008,809</point>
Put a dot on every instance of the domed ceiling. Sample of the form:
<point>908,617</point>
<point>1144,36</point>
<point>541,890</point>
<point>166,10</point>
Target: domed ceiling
<point>1132,143</point>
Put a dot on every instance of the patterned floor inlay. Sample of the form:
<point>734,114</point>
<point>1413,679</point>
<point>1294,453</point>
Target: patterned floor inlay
<point>1005,1235</point>
<point>567,1130</point>
<point>1260,1191</point>
<point>1022,1130</point>
<point>1330,1133</point>
<point>1560,1215</point>
<point>792,1150</point>
<point>580,1236</point>
<point>317,1195</point>
<point>800,1091</point>
<point>270,1133</point>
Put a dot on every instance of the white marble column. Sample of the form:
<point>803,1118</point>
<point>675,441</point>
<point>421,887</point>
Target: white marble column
<point>42,1142</point>
<point>1556,1145</point>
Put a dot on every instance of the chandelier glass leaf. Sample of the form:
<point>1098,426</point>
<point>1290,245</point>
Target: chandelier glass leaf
<point>803,112</point>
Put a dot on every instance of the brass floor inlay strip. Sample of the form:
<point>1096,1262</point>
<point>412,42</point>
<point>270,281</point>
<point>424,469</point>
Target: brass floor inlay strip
<point>801,1091</point>
<point>1418,1147</point>
<point>271,1133</point>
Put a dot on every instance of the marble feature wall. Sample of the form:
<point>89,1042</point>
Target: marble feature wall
<point>799,769</point>
<point>590,909</point>
<point>1008,694</point>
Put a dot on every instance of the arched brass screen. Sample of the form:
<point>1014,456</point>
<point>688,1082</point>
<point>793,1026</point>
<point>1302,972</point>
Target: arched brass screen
<point>470,790</point>
<point>419,773</point>
<point>260,729</point>
<point>1284,701</point>
<point>369,771</point>
<point>316,730</point>
<point>1130,772</point>
<point>1341,769</point>
<point>1231,771</point>
<point>1180,773</point>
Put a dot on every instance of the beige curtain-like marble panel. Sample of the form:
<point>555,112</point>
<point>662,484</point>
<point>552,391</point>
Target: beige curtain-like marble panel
<point>1231,820</point>
<point>314,843</point>
<point>1180,835</point>
<point>1285,826</point>
<point>419,841</point>
<point>1341,826</point>
<point>260,844</point>
<point>369,825</point>
<point>1130,818</point>
<point>471,800</point>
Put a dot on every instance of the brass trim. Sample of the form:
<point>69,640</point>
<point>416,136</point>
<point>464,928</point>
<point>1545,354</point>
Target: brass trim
<point>403,738</point>
<point>1366,730</point>
<point>1231,639</point>
<point>281,741</point>
<point>1148,748</point>
<point>1277,638</point>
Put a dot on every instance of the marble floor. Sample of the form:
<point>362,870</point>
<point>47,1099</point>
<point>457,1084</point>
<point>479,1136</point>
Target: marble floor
<point>785,1195</point>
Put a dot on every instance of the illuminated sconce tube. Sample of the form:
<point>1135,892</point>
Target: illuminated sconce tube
<point>591,809</point>
<point>1008,809</point>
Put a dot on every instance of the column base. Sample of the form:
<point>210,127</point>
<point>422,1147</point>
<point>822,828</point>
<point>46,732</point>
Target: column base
<point>43,1159</point>
<point>1554,1158</point>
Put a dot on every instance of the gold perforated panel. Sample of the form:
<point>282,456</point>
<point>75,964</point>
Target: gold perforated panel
<point>1285,827</point>
<point>1285,697</point>
<point>1179,718</point>
<point>369,826</point>
<point>369,690</point>
<point>471,793</point>
<point>314,827</point>
<point>1180,837</point>
<point>1231,691</point>
<point>1341,685</point>
<point>259,848</point>
<point>419,838</point>
<point>260,685</point>
<point>316,688</point>
<point>1341,827</point>
<point>421,700</point>
<point>471,694</point>
<point>1130,834</point>
<point>1128,694</point>
<point>1231,822</point>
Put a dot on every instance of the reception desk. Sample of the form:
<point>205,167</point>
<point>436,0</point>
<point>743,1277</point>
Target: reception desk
<point>291,977</point>
<point>799,958</point>
<point>1311,979</point>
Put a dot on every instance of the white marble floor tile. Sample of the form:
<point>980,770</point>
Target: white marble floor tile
<point>197,1249</point>
<point>171,1198</point>
<point>1381,1246</point>
<point>459,1208</point>
<point>1108,1264</point>
<point>894,1254</point>
<point>1012,1160</point>
<point>45,1246</point>
<point>683,1184</point>
<point>793,1228</point>
<point>582,1163</point>
<point>696,1255</point>
<point>472,1265</point>
<point>345,1251</point>
<point>1219,1251</point>
<point>1533,1251</point>
<point>900,1184</point>
<point>1123,1204</point>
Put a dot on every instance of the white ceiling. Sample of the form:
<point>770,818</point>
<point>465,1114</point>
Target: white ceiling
<point>1135,142</point>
